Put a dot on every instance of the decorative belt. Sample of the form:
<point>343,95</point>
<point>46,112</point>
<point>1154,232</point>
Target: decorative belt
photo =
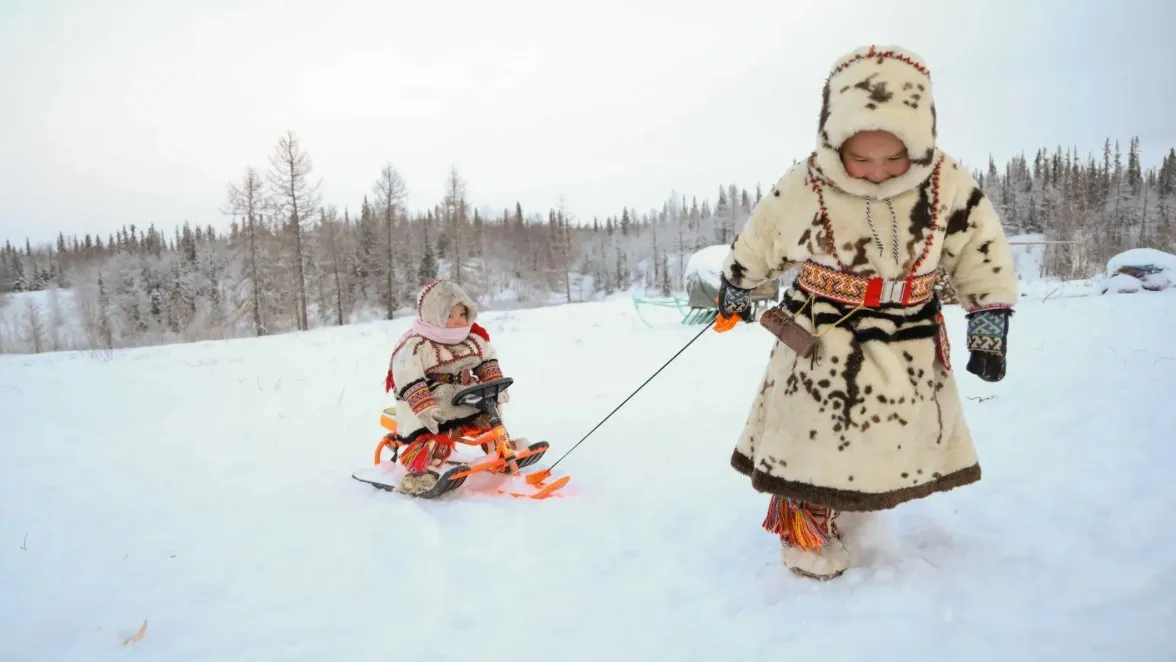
<point>465,378</point>
<point>865,292</point>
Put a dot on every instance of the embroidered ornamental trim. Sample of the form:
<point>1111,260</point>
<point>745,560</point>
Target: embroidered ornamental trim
<point>874,53</point>
<point>866,292</point>
<point>418,396</point>
<point>942,342</point>
<point>987,331</point>
<point>736,300</point>
<point>404,389</point>
<point>425,292</point>
<point>403,342</point>
<point>817,182</point>
<point>463,377</point>
<point>995,306</point>
<point>488,370</point>
<point>470,350</point>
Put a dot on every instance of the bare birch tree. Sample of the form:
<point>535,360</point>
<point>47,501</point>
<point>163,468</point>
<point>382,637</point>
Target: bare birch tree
<point>561,240</point>
<point>391,190</point>
<point>293,197</point>
<point>455,206</point>
<point>247,199</point>
<point>330,240</point>
<point>34,325</point>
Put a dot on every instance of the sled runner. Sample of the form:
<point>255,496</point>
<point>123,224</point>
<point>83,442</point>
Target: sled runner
<point>498,455</point>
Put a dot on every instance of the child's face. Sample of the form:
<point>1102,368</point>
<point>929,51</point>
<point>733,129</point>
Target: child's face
<point>875,156</point>
<point>457,316</point>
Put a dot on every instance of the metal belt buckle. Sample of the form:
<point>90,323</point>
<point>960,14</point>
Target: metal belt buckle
<point>879,291</point>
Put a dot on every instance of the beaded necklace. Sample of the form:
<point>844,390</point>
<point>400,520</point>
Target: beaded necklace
<point>818,182</point>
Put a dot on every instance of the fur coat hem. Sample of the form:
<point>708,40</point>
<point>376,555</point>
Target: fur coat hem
<point>849,500</point>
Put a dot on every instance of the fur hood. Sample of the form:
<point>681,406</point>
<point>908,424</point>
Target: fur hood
<point>437,297</point>
<point>878,88</point>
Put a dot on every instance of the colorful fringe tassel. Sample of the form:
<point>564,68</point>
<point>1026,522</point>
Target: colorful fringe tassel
<point>801,524</point>
<point>417,456</point>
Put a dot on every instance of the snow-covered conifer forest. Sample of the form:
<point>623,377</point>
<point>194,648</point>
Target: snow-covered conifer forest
<point>281,258</point>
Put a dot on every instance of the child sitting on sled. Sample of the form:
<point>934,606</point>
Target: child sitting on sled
<point>443,352</point>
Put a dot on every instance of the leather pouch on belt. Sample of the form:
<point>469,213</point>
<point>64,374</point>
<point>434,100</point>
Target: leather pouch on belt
<point>782,325</point>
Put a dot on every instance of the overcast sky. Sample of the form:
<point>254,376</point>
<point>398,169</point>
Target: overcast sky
<point>137,111</point>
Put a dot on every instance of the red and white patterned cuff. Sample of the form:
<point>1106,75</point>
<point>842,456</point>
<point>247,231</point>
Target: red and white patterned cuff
<point>993,306</point>
<point>418,396</point>
<point>488,371</point>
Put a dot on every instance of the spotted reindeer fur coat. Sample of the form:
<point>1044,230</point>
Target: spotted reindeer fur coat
<point>873,417</point>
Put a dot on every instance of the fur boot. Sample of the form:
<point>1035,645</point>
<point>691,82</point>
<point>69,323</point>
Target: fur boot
<point>809,538</point>
<point>414,484</point>
<point>424,459</point>
<point>825,562</point>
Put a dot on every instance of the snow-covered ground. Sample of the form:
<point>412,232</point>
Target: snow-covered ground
<point>206,488</point>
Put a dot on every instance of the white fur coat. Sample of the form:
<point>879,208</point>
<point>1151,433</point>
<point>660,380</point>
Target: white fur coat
<point>874,418</point>
<point>417,362</point>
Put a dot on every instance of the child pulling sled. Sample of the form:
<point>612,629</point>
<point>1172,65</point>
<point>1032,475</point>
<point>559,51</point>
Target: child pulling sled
<point>444,352</point>
<point>858,408</point>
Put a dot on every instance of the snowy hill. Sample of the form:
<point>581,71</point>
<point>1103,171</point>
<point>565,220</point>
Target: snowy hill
<point>205,488</point>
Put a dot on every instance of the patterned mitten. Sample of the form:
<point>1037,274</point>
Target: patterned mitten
<point>988,332</point>
<point>734,301</point>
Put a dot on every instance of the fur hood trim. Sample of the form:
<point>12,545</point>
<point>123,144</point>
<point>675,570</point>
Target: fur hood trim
<point>437,297</point>
<point>878,88</point>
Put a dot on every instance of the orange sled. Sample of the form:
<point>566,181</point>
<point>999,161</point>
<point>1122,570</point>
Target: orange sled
<point>500,455</point>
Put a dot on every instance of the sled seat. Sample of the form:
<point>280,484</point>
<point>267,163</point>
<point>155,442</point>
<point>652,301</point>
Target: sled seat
<point>392,439</point>
<point>388,419</point>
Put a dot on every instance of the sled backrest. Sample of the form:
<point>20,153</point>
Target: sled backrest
<point>388,419</point>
